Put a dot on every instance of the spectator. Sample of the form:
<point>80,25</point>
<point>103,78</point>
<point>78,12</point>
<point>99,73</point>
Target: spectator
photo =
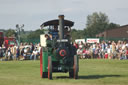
<point>25,52</point>
<point>17,53</point>
<point>1,54</point>
<point>79,52</point>
<point>76,45</point>
<point>84,53</point>
<point>109,52</point>
<point>126,52</point>
<point>35,54</point>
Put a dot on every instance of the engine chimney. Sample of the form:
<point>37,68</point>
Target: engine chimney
<point>61,27</point>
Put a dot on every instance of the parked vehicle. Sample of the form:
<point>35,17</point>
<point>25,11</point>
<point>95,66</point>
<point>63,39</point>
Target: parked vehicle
<point>1,38</point>
<point>7,41</point>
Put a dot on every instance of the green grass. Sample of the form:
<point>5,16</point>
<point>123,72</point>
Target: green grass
<point>92,72</point>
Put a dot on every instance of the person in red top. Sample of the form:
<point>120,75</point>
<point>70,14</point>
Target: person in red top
<point>76,45</point>
<point>127,53</point>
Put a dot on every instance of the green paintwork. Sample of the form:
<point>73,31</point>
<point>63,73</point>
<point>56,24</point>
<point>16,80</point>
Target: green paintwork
<point>64,64</point>
<point>46,53</point>
<point>45,61</point>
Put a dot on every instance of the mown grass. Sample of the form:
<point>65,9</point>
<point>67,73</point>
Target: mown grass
<point>91,72</point>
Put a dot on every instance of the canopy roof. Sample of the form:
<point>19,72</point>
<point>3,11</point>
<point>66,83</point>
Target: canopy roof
<point>56,22</point>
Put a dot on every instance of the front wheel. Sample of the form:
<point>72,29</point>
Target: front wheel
<point>75,67</point>
<point>49,67</point>
<point>41,63</point>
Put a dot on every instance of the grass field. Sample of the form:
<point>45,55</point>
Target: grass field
<point>92,72</point>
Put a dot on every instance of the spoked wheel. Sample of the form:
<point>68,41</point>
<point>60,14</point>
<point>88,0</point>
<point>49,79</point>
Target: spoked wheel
<point>49,67</point>
<point>71,73</point>
<point>75,68</point>
<point>43,74</point>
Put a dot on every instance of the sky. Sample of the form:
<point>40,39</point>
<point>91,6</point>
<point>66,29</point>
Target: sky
<point>32,13</point>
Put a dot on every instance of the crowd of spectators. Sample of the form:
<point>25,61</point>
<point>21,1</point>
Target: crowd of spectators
<point>103,50</point>
<point>21,52</point>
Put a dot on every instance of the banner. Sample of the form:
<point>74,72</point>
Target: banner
<point>92,40</point>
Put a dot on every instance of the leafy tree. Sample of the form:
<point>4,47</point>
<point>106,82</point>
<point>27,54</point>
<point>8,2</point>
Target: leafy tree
<point>113,26</point>
<point>77,34</point>
<point>35,34</point>
<point>10,33</point>
<point>97,23</point>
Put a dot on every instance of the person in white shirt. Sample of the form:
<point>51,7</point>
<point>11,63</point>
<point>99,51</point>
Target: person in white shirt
<point>109,52</point>
<point>79,52</point>
<point>35,53</point>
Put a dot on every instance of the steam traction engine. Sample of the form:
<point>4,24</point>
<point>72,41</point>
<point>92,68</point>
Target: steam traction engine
<point>57,52</point>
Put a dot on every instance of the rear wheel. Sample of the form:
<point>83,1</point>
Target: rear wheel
<point>49,67</point>
<point>71,73</point>
<point>75,68</point>
<point>43,74</point>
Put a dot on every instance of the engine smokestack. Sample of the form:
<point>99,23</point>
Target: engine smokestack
<point>61,27</point>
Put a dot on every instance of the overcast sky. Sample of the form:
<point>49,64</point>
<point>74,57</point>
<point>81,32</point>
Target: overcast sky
<point>32,13</point>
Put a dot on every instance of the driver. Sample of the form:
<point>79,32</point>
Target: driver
<point>54,32</point>
<point>67,33</point>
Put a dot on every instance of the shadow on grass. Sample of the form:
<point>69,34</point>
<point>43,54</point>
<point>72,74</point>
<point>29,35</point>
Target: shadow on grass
<point>97,76</point>
<point>89,76</point>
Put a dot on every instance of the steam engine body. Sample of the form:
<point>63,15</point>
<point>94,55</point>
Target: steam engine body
<point>58,54</point>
